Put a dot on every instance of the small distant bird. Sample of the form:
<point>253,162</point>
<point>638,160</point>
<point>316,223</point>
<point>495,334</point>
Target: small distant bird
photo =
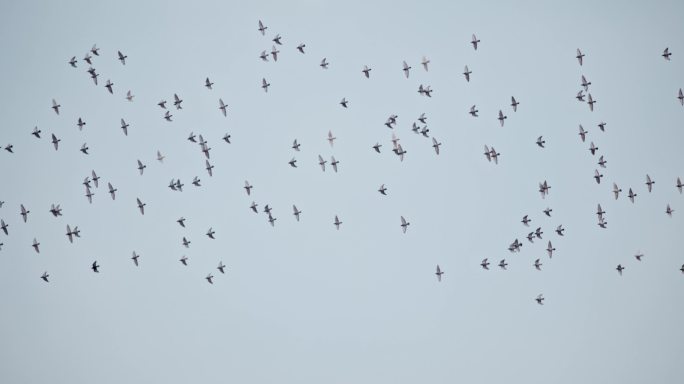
<point>80,123</point>
<point>184,260</point>
<point>186,242</point>
<point>248,188</point>
<point>95,267</point>
<point>211,233</point>
<point>602,162</point>
<point>95,50</point>
<point>196,181</point>
<point>135,258</point>
<point>177,101</point>
<point>679,185</point>
<point>404,224</point>
<point>599,211</point>
<point>192,137</point>
<point>473,111</point>
<point>502,117</point>
<point>274,53</point>
<point>526,221</point>
<point>89,194</point>
<point>540,142</point>
<point>466,73</point>
<point>262,28</point>
<point>122,57</point>
<point>514,104</point>
<point>276,39</point>
<point>264,56</point>
<point>55,210</point>
<point>560,230</point>
<point>209,168</point>
<point>209,278</point>
<point>474,42</point>
<point>406,69</point>
<point>334,163</point>
<point>593,148</point>
<point>485,264</point>
<point>296,212</point>
<point>73,61</point>
<point>324,64</point>
<point>631,195</point>
<point>160,157</point>
<point>425,63</point>
<point>36,245</point>
<point>580,96</point>
<point>293,163</point>
<point>208,83</point>
<point>9,148</point>
<point>109,86</point>
<point>616,191</point>
<point>582,133</point>
<point>168,116</point>
<point>377,147</point>
<point>503,264</point>
<point>548,211</point>
<point>265,84</point>
<point>24,212</point>
<point>487,153</point>
<point>435,145</point>
<point>585,84</point>
<point>45,277</point>
<point>538,232</point>
<point>222,107</point>
<point>620,268</point>
<point>602,126</point>
<point>639,255</point>
<point>331,138</point>
<point>267,209</point>
<point>544,189</point>
<point>112,191</point>
<point>666,54</point>
<point>597,176</point>
<point>494,155</point>
<point>344,102</point>
<point>141,167</point>
<point>254,207</point>
<point>295,145</point>
<point>383,189</point>
<point>301,47</point>
<point>271,220</point>
<point>591,102</point>
<point>162,104</point>
<point>680,96</point>
<point>181,221</point>
<point>88,59</point>
<point>141,206</point>
<point>84,148</point>
<point>55,106</point>
<point>337,223</point>
<point>579,56</point>
<point>366,71</point>
<point>422,118</point>
<point>129,95</point>
<point>4,226</point>
<point>669,210</point>
<point>649,183</point>
<point>221,267</point>
<point>540,297</point>
<point>36,132</point>
<point>537,265</point>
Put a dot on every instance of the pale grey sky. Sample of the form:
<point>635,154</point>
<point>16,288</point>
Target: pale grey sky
<point>303,302</point>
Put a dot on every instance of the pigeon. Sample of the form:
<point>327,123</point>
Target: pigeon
<point>192,137</point>
<point>666,54</point>
<point>422,118</point>
<point>208,83</point>
<point>184,260</point>
<point>112,191</point>
<point>502,117</point>
<point>88,59</point>
<point>334,163</point>
<point>540,142</point>
<point>45,274</point>
<point>122,57</point>
<point>324,64</point>
<point>262,28</point>
<point>585,84</point>
<point>436,145</point>
<point>631,195</point>
<point>425,63</point>
<point>271,220</point>
<point>503,264</point>
<point>93,75</point>
<point>474,42</point>
<point>264,56</point>
<point>540,297</point>
<point>580,96</point>
<point>582,133</point>
<point>494,155</point>
<point>222,107</point>
<point>135,258</point>
<point>616,191</point>
<point>296,212</point>
<point>24,212</point>
<point>597,176</point>
<point>620,268</point>
<point>55,106</point>
<point>548,211</point>
<point>209,278</point>
<point>404,224</point>
<point>383,189</point>
<point>196,181</point>
<point>514,104</point>
<point>274,53</point>
<point>301,47</point>
<point>265,84</point>
<point>141,206</point>
<point>95,50</point>
<point>141,167</point>
<point>337,223</point>
<point>254,207</point>
<point>602,223</point>
<point>160,157</point>
<point>602,162</point>
<point>406,69</point>
<point>602,126</point>
<point>544,189</point>
<point>466,73</point>
<point>331,138</point>
<point>211,233</point>
<point>599,211</point>
<point>162,104</point>
<point>537,264</point>
<point>366,71</point>
<point>669,210</point>
<point>248,187</point>
<point>679,185</point>
<point>73,61</point>
<point>168,116</point>
<point>579,56</point>
<point>593,148</point>
<point>177,101</point>
<point>487,153</point>
<point>639,255</point>
<point>591,102</point>
<point>267,209</point>
<point>36,132</point>
<point>84,148</point>
<point>80,123</point>
<point>344,102</point>
<point>96,178</point>
<point>181,221</point>
<point>526,221</point>
<point>473,111</point>
<point>129,96</point>
<point>9,147</point>
<point>186,242</point>
<point>538,232</point>
<point>560,230</point>
<point>439,273</point>
<point>109,86</point>
<point>221,267</point>
<point>36,245</point>
<point>89,195</point>
<point>680,96</point>
<point>4,226</point>
<point>485,264</point>
<point>209,168</point>
<point>649,183</point>
<point>276,39</point>
<point>55,210</point>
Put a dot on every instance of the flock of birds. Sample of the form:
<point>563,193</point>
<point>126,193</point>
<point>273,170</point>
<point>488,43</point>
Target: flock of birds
<point>418,127</point>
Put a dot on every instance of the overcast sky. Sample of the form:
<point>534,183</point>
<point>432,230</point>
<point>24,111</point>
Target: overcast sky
<point>302,302</point>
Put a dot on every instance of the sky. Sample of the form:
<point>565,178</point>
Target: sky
<point>302,302</point>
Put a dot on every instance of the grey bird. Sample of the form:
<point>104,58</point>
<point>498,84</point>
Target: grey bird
<point>334,163</point>
<point>599,211</point>
<point>324,64</point>
<point>597,176</point>
<point>580,96</point>
<point>248,188</point>
<point>184,260</point>
<point>485,264</point>
<point>55,106</point>
<point>95,50</point>
<point>406,68</point>
<point>680,96</point>
<point>208,83</point>
<point>591,102</point>
<point>89,194</point>
<point>439,273</point>
<point>331,138</point>
<point>168,116</point>
<point>36,245</point>
<point>293,163</point>
<point>177,101</point>
<point>649,183</point>
<point>503,264</point>
<point>36,132</point>
<point>425,63</point>
<point>209,278</point>
<point>502,117</point>
<point>135,258</point>
<point>209,168</point>
<point>602,162</point>
<point>631,195</point>
<point>466,73</point>
<point>474,42</point>
<point>222,107</point>
<point>296,212</point>
<point>45,277</point>
<point>585,84</point>
<point>593,148</point>
<point>301,47</point>
<point>344,102</point>
<point>265,84</point>
<point>271,220</point>
<point>639,255</point>
<point>276,39</point>
<point>4,226</point>
<point>186,242</point>
<point>295,145</point>
<point>95,267</point>
<point>620,268</point>
<point>548,211</point>
<point>514,104</point>
<point>321,162</point>
<point>112,191</point>
<point>162,104</point>
<point>669,210</point>
<point>560,230</point>
<point>109,86</point>
<point>80,123</point>
<point>435,145</point>
<point>616,191</point>
<point>221,267</point>
<point>88,59</point>
<point>404,224</point>
<point>274,53</point>
<point>73,61</point>
<point>376,147</point>
<point>366,71</point>
<point>24,212</point>
<point>537,265</point>
<point>602,126</point>
<point>196,181</point>
<point>422,118</point>
<point>122,57</point>
<point>582,133</point>
<point>141,206</point>
<point>211,233</point>
<point>540,142</point>
<point>666,54</point>
<point>181,221</point>
<point>84,148</point>
<point>262,28</point>
<point>264,56</point>
<point>160,157</point>
<point>55,210</point>
<point>337,223</point>
<point>526,221</point>
<point>540,297</point>
<point>473,111</point>
<point>141,167</point>
<point>254,207</point>
<point>679,185</point>
<point>579,56</point>
<point>383,189</point>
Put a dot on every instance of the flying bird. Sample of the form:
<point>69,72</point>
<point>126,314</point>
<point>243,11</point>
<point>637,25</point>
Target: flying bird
<point>602,126</point>
<point>616,191</point>
<point>55,106</point>
<point>540,299</point>
<point>264,56</point>
<point>122,57</point>
<point>466,73</point>
<point>209,278</point>
<point>526,221</point>
<point>560,230</point>
<point>264,84</point>
<point>669,210</point>
<point>248,187</point>
<point>337,223</point>
<point>112,191</point>
<point>439,273</point>
<point>473,112</point>
<point>540,142</point>
<point>208,83</point>
<point>425,63</point>
<point>109,86</point>
<point>602,162</point>
<point>73,61</point>
<point>160,157</point>
<point>221,267</point>
<point>548,211</point>
<point>404,224</point>
<point>80,123</point>
<point>334,163</point>
<point>301,47</point>
<point>331,138</point>
<point>89,194</point>
<point>162,104</point>
<point>435,145</point>
<point>597,176</point>
<point>24,212</point>
<point>383,189</point>
<point>211,233</point>
<point>274,53</point>
<point>366,71</point>
<point>222,107</point>
<point>168,116</point>
<point>502,117</point>
<point>55,210</point>
<point>135,258</point>
<point>406,69</point>
<point>186,242</point>
<point>591,102</point>
<point>631,195</point>
<point>84,148</point>
<point>593,148</point>
<point>649,183</point>
<point>680,96</point>
<point>344,102</point>
<point>276,39</point>
<point>585,84</point>
<point>324,64</point>
<point>45,277</point>
<point>209,168</point>
<point>36,132</point>
<point>4,226</point>
<point>129,95</point>
<point>262,28</point>
<point>485,264</point>
<point>582,133</point>
<point>503,264</point>
<point>376,147</point>
<point>177,101</point>
<point>666,54</point>
<point>679,185</point>
<point>579,56</point>
<point>296,212</point>
<point>620,268</point>
<point>141,167</point>
<point>36,245</point>
<point>537,265</point>
<point>474,42</point>
<point>141,206</point>
<point>184,260</point>
<point>95,50</point>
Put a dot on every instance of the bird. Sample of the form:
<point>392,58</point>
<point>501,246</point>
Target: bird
<point>550,249</point>
<point>537,265</point>
<point>680,96</point>
<point>276,39</point>
<point>55,210</point>
<point>184,260</point>
<point>422,118</point>
<point>271,220</point>
<point>88,59</point>
<point>502,117</point>
<point>80,123</point>
<point>406,69</point>
<point>593,148</point>
<point>274,53</point>
<point>602,126</point>
<point>168,116</point>
<point>639,255</point>
<point>4,226</point>
<point>579,56</point>
<point>160,157</point>
<point>485,264</point>
<point>599,211</point>
<point>296,212</point>
<point>383,190</point>
<point>36,245</point>
<point>331,138</point>
<point>186,242</point>
<point>494,155</point>
<point>262,28</point>
<point>540,299</point>
<point>344,102</point>
<point>526,221</point>
<point>265,84</point>
<point>221,267</point>
<point>334,163</point>
<point>548,211</point>
<point>591,102</point>
<point>254,207</point>
<point>293,163</point>
<point>141,206</point>
<point>425,63</point>
<point>122,57</point>
<point>337,223</point>
<point>616,191</point>
<point>582,133</point>
<point>55,106</point>
<point>404,224</point>
<point>366,71</point>
<point>222,107</point>
<point>560,230</point>
<point>24,212</point>
<point>181,221</point>
<point>580,96</point>
<point>544,189</point>
<point>439,273</point>
<point>248,188</point>
<point>267,209</point>
<point>301,47</point>
<point>597,176</point>
<point>89,194</point>
<point>649,183</point>
<point>209,168</point>
<point>514,104</point>
<point>70,234</point>
<point>211,233</point>
<point>466,73</point>
<point>324,64</point>
<point>141,167</point>
<point>95,50</point>
<point>538,232</point>
<point>84,148</point>
<point>209,278</point>
<point>620,268</point>
<point>474,42</point>
<point>376,147</point>
<point>109,86</point>
<point>112,191</point>
<point>631,195</point>
<point>602,162</point>
<point>503,264</point>
<point>9,147</point>
<point>669,210</point>
<point>679,185</point>
<point>36,132</point>
<point>177,101</point>
<point>264,56</point>
<point>666,54</point>
<point>487,153</point>
<point>73,61</point>
<point>196,181</point>
<point>435,145</point>
<point>585,84</point>
<point>162,104</point>
<point>540,142</point>
<point>45,277</point>
<point>135,258</point>
<point>208,83</point>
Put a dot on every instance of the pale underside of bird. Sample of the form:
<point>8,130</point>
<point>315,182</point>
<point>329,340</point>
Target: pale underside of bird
<point>439,273</point>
